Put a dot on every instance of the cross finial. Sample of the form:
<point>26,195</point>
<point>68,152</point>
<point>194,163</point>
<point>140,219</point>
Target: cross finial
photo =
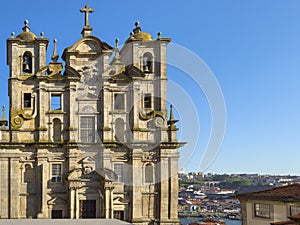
<point>86,11</point>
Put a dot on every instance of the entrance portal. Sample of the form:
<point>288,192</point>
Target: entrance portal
<point>87,209</point>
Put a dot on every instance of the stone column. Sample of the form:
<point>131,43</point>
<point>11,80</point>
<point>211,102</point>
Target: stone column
<point>108,187</point>
<point>43,105</point>
<point>43,177</point>
<point>136,104</point>
<point>107,205</point>
<point>73,121</point>
<point>14,188</point>
<point>111,203</point>
<point>164,188</point>
<point>107,131</point>
<point>76,204</point>
<point>173,167</point>
<point>137,185</point>
<point>4,188</point>
<point>72,204</point>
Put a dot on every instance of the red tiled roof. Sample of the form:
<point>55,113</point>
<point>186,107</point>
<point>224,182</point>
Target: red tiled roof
<point>295,217</point>
<point>282,223</point>
<point>289,193</point>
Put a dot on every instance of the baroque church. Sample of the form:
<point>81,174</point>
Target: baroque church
<point>93,138</point>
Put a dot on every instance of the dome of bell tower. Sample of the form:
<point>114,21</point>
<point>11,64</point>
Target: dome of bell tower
<point>26,35</point>
<point>138,35</point>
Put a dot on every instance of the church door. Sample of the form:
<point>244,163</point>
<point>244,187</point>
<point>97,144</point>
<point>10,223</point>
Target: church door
<point>87,209</point>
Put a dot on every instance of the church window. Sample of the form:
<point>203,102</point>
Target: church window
<point>149,173</point>
<point>87,129</point>
<point>27,100</point>
<point>28,174</point>
<point>147,62</point>
<point>147,101</point>
<point>262,210</point>
<point>119,214</point>
<point>56,214</point>
<point>119,170</point>
<point>55,102</point>
<point>56,173</point>
<point>27,62</point>
<point>119,102</point>
<point>56,130</point>
<point>119,129</point>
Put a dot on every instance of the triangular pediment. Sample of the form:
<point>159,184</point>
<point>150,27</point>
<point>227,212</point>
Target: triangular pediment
<point>87,96</point>
<point>88,160</point>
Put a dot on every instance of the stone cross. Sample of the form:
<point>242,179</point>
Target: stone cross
<point>86,11</point>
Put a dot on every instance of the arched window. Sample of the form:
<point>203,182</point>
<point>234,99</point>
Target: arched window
<point>147,62</point>
<point>28,174</point>
<point>27,62</point>
<point>56,130</point>
<point>119,129</point>
<point>149,173</point>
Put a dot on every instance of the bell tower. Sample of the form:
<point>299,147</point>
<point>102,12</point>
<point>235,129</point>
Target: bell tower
<point>26,55</point>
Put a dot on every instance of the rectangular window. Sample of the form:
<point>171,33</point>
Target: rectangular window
<point>119,214</point>
<point>56,173</point>
<point>294,210</point>
<point>262,210</point>
<point>147,101</point>
<point>56,214</point>
<point>119,169</point>
<point>27,100</point>
<point>55,102</point>
<point>87,129</point>
<point>119,102</point>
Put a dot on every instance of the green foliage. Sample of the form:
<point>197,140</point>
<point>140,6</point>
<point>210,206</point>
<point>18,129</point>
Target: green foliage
<point>235,183</point>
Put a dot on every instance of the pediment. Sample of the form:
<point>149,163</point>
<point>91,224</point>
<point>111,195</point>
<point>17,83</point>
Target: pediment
<point>87,96</point>
<point>87,45</point>
<point>120,78</point>
<point>120,201</point>
<point>88,160</point>
<point>132,71</point>
<point>56,201</point>
<point>78,175</point>
<point>71,72</point>
<point>108,174</point>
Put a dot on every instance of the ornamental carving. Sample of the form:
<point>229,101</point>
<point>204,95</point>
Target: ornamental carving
<point>18,115</point>
<point>149,156</point>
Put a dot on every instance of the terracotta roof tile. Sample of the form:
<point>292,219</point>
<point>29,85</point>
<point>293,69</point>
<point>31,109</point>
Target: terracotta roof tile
<point>289,193</point>
<point>295,217</point>
<point>282,223</point>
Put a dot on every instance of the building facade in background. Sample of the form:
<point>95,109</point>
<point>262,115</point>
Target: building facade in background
<point>274,206</point>
<point>92,140</point>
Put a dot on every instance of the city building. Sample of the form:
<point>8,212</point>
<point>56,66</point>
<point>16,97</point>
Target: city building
<point>273,206</point>
<point>92,139</point>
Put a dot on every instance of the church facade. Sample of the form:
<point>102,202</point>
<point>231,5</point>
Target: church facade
<point>94,139</point>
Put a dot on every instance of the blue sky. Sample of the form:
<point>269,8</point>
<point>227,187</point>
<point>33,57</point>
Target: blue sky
<point>252,47</point>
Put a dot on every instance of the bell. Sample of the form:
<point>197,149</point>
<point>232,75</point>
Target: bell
<point>146,69</point>
<point>145,65</point>
<point>26,69</point>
